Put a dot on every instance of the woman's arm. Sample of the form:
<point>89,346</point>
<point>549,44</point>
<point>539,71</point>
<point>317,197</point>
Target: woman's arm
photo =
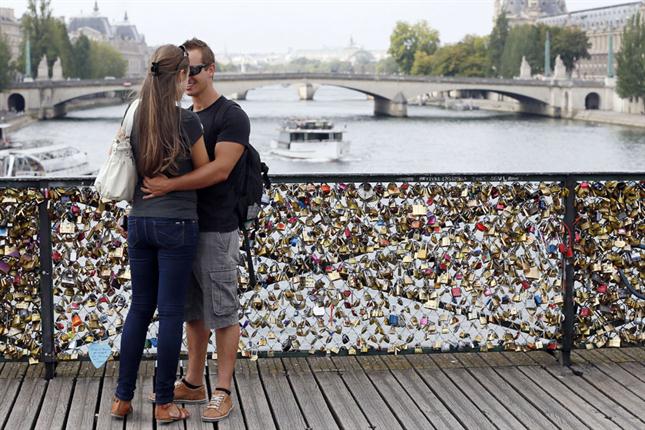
<point>198,153</point>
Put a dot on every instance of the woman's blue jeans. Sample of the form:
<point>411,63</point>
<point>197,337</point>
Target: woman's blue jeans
<point>161,254</point>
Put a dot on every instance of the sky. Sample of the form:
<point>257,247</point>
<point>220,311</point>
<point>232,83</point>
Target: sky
<point>263,26</point>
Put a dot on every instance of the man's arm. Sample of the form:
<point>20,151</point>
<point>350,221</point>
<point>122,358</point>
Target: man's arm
<point>227,154</point>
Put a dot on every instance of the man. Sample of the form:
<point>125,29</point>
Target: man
<point>212,301</point>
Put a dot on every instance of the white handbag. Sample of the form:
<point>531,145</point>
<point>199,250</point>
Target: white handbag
<point>117,178</point>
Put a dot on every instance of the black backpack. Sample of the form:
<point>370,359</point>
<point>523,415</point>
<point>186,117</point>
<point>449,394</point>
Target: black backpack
<point>255,178</point>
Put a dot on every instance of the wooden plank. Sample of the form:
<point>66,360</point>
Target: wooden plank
<point>518,358</point>
<point>636,369</point>
<point>593,356</point>
<point>251,395</point>
<point>13,370</point>
<point>143,415</point>
<point>85,397</point>
<point>638,354</point>
<point>612,410</point>
<point>487,404</point>
<point>398,400</point>
<point>25,409</point>
<point>311,400</point>
<point>425,399</point>
<point>615,355</point>
<point>624,378</point>
<point>374,407</point>
<point>614,390</point>
<point>54,409</point>
<point>104,420</point>
<point>457,402</point>
<point>340,400</point>
<point>530,390</point>
<point>282,400</point>
<point>543,358</point>
<point>521,408</point>
<point>471,359</point>
<point>446,360</point>
<point>576,405</point>
<point>8,392</point>
<point>495,359</point>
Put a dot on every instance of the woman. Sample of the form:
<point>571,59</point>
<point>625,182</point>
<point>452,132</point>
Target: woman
<point>162,232</point>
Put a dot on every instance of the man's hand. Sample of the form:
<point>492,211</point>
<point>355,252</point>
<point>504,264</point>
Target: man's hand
<point>156,187</point>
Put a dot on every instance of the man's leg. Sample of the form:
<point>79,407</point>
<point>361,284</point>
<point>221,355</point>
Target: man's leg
<point>197,335</point>
<point>227,340</point>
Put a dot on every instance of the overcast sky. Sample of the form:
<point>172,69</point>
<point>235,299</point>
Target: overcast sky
<point>253,26</point>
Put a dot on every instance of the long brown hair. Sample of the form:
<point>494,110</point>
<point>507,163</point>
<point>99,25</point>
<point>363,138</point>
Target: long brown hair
<point>159,120</point>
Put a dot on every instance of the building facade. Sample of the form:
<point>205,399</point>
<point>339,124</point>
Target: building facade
<point>604,27</point>
<point>123,36</point>
<point>10,30</point>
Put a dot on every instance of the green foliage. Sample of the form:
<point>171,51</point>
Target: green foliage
<point>82,58</point>
<point>387,66</point>
<point>423,63</point>
<point>468,58</point>
<point>106,61</point>
<point>630,61</point>
<point>497,42</point>
<point>47,36</point>
<point>406,40</point>
<point>5,68</point>
<point>572,44</point>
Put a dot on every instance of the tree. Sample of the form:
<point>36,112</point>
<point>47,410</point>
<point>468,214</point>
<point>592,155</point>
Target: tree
<point>406,40</point>
<point>571,44</point>
<point>106,61</point>
<point>497,42</point>
<point>82,58</point>
<point>387,66</point>
<point>5,68</point>
<point>523,41</point>
<point>423,63</point>
<point>468,58</point>
<point>630,61</point>
<point>47,37</point>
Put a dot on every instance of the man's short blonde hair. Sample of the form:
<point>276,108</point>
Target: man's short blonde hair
<point>207,53</point>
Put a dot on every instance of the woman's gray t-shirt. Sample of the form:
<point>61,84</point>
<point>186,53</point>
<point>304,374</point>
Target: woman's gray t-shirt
<point>177,204</point>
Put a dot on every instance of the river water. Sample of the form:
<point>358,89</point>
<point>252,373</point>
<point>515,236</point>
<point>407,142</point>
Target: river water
<point>430,140</point>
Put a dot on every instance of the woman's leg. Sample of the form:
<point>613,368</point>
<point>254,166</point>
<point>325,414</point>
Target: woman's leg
<point>144,272</point>
<point>175,261</point>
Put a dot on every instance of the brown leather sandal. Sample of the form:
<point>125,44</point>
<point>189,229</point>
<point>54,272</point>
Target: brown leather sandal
<point>120,408</point>
<point>169,413</point>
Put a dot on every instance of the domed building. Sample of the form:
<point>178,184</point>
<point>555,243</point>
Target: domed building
<point>123,36</point>
<point>527,11</point>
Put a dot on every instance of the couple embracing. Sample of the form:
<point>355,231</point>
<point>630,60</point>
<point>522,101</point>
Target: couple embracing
<point>183,232</point>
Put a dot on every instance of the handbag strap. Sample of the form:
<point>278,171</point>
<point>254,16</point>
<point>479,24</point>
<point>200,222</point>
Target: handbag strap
<point>128,120</point>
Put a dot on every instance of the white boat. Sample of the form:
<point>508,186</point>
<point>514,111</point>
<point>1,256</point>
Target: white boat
<point>51,160</point>
<point>310,139</point>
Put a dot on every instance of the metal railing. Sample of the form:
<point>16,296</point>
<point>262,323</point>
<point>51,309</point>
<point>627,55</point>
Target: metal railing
<point>351,264</point>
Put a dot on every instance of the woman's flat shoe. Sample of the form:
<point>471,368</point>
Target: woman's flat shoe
<point>169,413</point>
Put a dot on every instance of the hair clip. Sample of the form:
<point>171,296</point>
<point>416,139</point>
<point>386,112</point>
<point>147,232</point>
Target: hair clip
<point>155,68</point>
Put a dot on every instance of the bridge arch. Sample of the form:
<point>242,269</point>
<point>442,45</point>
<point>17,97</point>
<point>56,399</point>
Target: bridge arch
<point>592,101</point>
<point>16,102</point>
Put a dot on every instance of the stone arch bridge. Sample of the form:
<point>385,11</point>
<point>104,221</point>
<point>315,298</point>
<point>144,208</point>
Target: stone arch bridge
<point>562,98</point>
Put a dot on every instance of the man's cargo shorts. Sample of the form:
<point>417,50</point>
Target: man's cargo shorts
<point>212,295</point>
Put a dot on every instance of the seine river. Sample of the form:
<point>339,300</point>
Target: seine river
<point>430,140</point>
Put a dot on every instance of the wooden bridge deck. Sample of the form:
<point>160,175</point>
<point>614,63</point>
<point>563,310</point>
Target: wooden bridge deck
<point>443,391</point>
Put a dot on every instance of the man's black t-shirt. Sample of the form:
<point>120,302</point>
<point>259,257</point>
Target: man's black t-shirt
<point>217,204</point>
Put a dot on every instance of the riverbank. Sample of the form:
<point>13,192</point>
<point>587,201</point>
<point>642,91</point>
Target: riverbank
<point>596,116</point>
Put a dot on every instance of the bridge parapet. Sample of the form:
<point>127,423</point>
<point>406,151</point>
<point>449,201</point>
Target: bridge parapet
<point>352,264</point>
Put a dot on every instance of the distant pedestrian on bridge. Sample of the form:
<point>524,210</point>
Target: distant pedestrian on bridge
<point>162,233</point>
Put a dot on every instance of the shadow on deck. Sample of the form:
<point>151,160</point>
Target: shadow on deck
<point>503,390</point>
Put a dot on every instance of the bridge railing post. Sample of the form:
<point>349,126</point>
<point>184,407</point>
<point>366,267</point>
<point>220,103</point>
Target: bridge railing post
<point>48,353</point>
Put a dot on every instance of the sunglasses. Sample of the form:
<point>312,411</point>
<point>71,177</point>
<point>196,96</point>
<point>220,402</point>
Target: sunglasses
<point>196,70</point>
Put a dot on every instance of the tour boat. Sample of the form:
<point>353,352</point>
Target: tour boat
<point>51,160</point>
<point>310,139</point>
